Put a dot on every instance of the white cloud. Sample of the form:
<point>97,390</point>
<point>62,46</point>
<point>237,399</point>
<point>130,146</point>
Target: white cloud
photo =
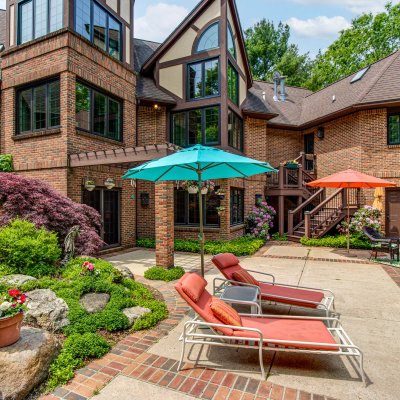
<point>159,21</point>
<point>355,6</point>
<point>318,27</point>
<point>2,4</point>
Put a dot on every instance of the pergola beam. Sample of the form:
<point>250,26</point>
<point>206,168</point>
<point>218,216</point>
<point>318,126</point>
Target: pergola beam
<point>123,155</point>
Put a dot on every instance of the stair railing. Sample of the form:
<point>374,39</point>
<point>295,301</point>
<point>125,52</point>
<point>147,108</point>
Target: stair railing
<point>296,216</point>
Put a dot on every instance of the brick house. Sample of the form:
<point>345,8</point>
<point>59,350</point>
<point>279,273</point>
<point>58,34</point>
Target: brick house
<point>82,101</point>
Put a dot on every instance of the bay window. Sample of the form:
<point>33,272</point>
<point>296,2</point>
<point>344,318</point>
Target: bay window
<point>200,126</point>
<point>98,113</point>
<point>38,107</point>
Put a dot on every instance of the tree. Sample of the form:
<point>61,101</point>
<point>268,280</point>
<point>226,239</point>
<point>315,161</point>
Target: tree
<point>37,202</point>
<point>269,50</point>
<point>370,38</point>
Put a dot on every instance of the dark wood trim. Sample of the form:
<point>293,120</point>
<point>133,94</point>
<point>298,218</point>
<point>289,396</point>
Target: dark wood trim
<point>387,207</point>
<point>224,73</point>
<point>200,33</point>
<point>236,66</point>
<point>192,58</point>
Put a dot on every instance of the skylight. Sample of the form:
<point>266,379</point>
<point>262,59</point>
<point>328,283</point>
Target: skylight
<point>359,75</point>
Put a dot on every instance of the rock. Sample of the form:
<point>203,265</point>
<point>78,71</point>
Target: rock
<point>134,313</point>
<point>25,364</point>
<point>17,279</point>
<point>94,302</point>
<point>125,271</point>
<point>46,310</point>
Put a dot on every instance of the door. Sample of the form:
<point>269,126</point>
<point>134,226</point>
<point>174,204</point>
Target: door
<point>309,149</point>
<point>107,203</point>
<point>392,212</point>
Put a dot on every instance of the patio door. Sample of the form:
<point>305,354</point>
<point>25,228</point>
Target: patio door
<point>309,149</point>
<point>107,203</point>
<point>392,212</point>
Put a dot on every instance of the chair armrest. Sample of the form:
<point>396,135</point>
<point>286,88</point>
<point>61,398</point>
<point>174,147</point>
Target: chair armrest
<point>305,287</point>
<point>262,273</point>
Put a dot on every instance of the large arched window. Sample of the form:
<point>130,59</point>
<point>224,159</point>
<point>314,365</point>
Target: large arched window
<point>209,39</point>
<point>231,42</point>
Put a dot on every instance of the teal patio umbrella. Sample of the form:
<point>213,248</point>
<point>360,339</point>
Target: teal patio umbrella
<point>199,163</point>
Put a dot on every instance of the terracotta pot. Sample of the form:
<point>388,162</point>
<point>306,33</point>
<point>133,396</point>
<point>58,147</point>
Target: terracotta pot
<point>10,329</point>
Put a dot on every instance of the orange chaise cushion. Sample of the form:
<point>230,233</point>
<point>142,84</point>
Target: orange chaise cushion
<point>225,260</point>
<point>225,312</point>
<point>243,276</point>
<point>193,286</point>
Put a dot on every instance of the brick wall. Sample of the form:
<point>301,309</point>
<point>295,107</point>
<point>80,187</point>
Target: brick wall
<point>151,125</point>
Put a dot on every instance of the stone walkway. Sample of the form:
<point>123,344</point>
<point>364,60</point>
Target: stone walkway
<point>144,364</point>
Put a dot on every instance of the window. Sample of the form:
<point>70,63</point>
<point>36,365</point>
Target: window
<point>187,209</point>
<point>233,84</point>
<point>97,25</point>
<point>394,129</point>
<point>98,113</point>
<point>235,131</point>
<point>196,126</point>
<point>203,79</point>
<point>38,17</point>
<point>38,107</point>
<point>231,42</point>
<point>209,39</point>
<point>237,206</point>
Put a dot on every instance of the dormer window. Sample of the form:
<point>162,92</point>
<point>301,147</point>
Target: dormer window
<point>231,42</point>
<point>209,39</point>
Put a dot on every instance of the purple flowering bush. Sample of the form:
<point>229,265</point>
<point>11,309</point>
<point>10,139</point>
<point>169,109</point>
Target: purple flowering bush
<point>260,220</point>
<point>36,201</point>
<point>366,216</point>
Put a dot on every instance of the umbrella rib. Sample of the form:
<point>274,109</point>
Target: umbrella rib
<point>236,170</point>
<point>164,173</point>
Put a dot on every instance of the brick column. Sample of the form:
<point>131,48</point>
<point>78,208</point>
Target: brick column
<point>164,224</point>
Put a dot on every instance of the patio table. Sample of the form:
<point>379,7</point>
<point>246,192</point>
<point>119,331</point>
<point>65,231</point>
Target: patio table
<point>245,295</point>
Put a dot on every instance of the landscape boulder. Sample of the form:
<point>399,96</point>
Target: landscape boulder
<point>46,310</point>
<point>134,313</point>
<point>25,364</point>
<point>94,302</point>
<point>125,271</point>
<point>17,279</point>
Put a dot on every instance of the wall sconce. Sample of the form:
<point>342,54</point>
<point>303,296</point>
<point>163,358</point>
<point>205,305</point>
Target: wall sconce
<point>321,132</point>
<point>144,199</point>
<point>89,184</point>
<point>133,183</point>
<point>109,183</point>
<point>156,107</point>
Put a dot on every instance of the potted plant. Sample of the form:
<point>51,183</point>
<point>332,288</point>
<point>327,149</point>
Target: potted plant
<point>12,306</point>
<point>220,210</point>
<point>90,184</point>
<point>220,193</point>
<point>207,186</point>
<point>291,164</point>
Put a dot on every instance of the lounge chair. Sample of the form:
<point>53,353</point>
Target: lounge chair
<point>227,328</point>
<point>300,296</point>
<point>382,244</point>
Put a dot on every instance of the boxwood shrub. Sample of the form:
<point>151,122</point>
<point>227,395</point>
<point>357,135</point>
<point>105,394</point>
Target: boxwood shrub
<point>356,242</point>
<point>162,274</point>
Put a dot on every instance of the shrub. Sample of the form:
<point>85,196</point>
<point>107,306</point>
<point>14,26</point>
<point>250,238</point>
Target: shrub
<point>280,238</point>
<point>366,216</point>
<point>6,163</point>
<point>260,220</point>
<point>37,202</point>
<point>162,274</point>
<point>243,246</point>
<point>25,249</point>
<point>356,242</point>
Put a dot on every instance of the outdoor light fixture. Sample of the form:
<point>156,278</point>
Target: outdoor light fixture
<point>133,183</point>
<point>89,184</point>
<point>156,107</point>
<point>109,183</point>
<point>321,132</point>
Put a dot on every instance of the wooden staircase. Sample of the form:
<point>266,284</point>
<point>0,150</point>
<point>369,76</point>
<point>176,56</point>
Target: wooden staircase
<point>312,221</point>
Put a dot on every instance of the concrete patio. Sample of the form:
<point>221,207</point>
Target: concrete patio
<point>366,297</point>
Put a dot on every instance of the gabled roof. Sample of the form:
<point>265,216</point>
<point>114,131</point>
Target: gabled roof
<point>185,24</point>
<point>379,85</point>
<point>143,50</point>
<point>3,27</point>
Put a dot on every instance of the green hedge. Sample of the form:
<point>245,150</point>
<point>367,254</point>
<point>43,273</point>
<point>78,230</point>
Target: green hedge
<point>24,249</point>
<point>6,163</point>
<point>162,274</point>
<point>337,242</point>
<point>83,340</point>
<point>242,246</point>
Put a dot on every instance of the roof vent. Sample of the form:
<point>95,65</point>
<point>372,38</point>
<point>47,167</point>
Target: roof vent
<point>278,78</point>
<point>263,94</point>
<point>333,98</point>
<point>360,74</point>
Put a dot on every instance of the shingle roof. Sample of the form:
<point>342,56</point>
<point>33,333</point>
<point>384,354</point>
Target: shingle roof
<point>2,26</point>
<point>381,83</point>
<point>146,88</point>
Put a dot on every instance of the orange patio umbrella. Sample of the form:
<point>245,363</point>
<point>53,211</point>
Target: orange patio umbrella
<point>350,179</point>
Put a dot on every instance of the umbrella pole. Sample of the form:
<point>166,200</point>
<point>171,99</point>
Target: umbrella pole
<point>201,234</point>
<point>348,228</point>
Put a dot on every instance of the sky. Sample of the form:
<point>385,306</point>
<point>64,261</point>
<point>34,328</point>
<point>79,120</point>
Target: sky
<point>314,23</point>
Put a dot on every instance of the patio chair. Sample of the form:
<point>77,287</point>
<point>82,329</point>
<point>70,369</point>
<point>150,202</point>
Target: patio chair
<point>382,244</point>
<point>300,296</point>
<point>227,328</point>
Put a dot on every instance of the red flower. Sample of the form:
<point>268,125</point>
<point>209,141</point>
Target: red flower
<point>13,292</point>
<point>22,299</point>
